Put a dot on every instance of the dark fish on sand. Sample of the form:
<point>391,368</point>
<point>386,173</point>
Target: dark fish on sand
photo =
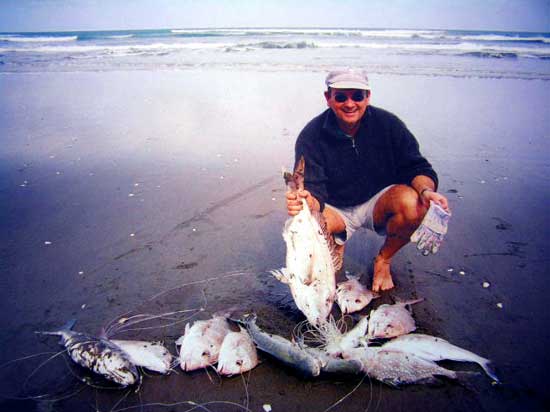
<point>437,349</point>
<point>97,354</point>
<point>311,260</point>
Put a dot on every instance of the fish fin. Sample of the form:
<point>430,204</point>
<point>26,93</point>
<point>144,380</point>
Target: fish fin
<point>349,276</point>
<point>408,302</point>
<point>337,259</point>
<point>280,274</point>
<point>67,327</point>
<point>299,173</point>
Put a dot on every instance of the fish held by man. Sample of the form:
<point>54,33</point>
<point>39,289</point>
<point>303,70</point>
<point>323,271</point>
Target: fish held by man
<point>390,321</point>
<point>437,349</point>
<point>98,355</point>
<point>201,343</point>
<point>352,296</point>
<point>311,259</point>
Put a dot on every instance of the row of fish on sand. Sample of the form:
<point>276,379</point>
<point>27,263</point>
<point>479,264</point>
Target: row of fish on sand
<point>381,345</point>
<point>203,344</point>
<point>310,273</point>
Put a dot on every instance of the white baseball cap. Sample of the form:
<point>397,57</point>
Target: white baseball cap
<point>348,79</point>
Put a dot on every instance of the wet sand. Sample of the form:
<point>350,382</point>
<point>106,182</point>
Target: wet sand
<point>116,187</point>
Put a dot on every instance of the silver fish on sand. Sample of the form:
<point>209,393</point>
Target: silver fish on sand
<point>237,353</point>
<point>390,321</point>
<point>201,343</point>
<point>290,353</point>
<point>397,368</point>
<point>309,362</point>
<point>352,296</point>
<point>149,355</point>
<point>97,354</point>
<point>311,259</point>
<point>437,349</point>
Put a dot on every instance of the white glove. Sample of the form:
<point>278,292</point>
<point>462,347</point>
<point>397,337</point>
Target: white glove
<point>432,230</point>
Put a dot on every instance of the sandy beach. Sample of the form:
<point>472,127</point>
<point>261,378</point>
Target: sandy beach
<point>159,191</point>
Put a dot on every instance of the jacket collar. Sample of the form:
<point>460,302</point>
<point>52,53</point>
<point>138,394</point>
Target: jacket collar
<point>330,123</point>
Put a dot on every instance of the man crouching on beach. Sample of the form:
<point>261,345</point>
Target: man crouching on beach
<point>364,169</point>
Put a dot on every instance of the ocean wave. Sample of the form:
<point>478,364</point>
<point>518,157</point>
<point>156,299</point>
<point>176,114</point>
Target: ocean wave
<point>37,39</point>
<point>120,36</point>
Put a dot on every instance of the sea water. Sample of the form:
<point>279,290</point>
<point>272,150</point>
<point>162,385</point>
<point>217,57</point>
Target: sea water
<point>483,54</point>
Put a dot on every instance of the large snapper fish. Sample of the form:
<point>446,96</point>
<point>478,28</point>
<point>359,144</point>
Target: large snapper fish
<point>97,354</point>
<point>390,321</point>
<point>437,349</point>
<point>201,343</point>
<point>237,354</point>
<point>311,260</point>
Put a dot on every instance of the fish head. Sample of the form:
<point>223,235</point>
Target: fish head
<point>197,355</point>
<point>125,376</point>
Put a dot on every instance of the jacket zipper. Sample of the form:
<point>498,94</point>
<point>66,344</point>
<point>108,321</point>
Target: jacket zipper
<point>353,145</point>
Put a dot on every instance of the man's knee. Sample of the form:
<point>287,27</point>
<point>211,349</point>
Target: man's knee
<point>404,201</point>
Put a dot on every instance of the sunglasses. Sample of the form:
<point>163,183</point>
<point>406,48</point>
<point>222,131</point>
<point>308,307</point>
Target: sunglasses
<point>358,96</point>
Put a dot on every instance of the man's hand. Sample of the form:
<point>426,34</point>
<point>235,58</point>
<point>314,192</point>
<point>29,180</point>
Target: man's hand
<point>294,202</point>
<point>429,195</point>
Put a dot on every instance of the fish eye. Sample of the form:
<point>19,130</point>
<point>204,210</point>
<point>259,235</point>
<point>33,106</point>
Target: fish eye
<point>239,362</point>
<point>206,353</point>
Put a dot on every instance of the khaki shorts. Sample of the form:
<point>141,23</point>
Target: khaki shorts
<point>358,216</point>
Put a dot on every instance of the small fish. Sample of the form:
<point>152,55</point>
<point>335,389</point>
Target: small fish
<point>237,353</point>
<point>149,355</point>
<point>284,350</point>
<point>337,342</point>
<point>389,321</point>
<point>311,259</point>
<point>97,354</point>
<point>352,296</point>
<point>437,349</point>
<point>397,368</point>
<point>201,343</point>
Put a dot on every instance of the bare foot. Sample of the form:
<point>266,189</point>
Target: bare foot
<point>382,279</point>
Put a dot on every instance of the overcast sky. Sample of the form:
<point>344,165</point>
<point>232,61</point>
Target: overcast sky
<point>47,15</point>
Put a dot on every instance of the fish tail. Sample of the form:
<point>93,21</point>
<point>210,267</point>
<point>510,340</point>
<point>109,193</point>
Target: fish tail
<point>61,331</point>
<point>65,328</point>
<point>489,370</point>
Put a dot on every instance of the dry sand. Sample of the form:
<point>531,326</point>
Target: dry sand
<point>117,186</point>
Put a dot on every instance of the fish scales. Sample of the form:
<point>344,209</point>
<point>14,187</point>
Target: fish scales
<point>397,368</point>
